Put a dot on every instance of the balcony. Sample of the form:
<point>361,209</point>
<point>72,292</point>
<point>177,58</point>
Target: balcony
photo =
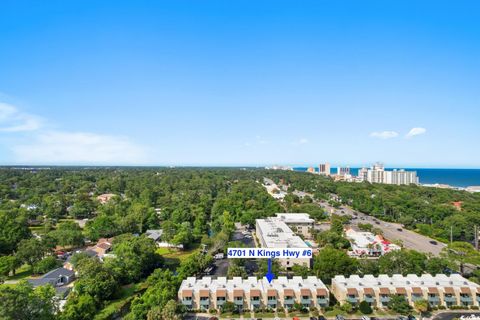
<point>416,297</point>
<point>450,299</point>
<point>352,299</point>
<point>305,301</point>
<point>238,302</point>
<point>434,300</point>
<point>205,303</point>
<point>220,302</point>
<point>187,302</point>
<point>323,302</point>
<point>272,303</point>
<point>255,303</point>
<point>369,299</point>
<point>384,299</point>
<point>289,301</point>
<point>466,298</point>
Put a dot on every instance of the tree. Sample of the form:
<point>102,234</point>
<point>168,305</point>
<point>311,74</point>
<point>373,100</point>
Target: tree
<point>13,228</point>
<point>135,257</point>
<point>23,302</point>
<point>68,233</point>
<point>461,253</point>
<point>30,251</point>
<point>102,226</point>
<point>402,262</point>
<point>332,238</point>
<point>95,280</point>
<point>228,306</point>
<point>79,307</point>
<point>347,307</point>
<point>236,271</point>
<point>330,262</point>
<point>399,304</point>
<point>162,289</point>
<point>302,271</point>
<point>169,312</point>
<point>365,226</point>
<point>421,306</point>
<point>45,265</point>
<point>8,264</point>
<point>365,308</point>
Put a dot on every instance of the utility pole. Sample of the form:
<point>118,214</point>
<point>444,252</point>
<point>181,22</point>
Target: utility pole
<point>451,234</point>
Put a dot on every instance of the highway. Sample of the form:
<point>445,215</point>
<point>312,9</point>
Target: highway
<point>391,231</point>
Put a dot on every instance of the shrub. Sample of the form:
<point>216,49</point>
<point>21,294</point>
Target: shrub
<point>474,307</point>
<point>365,308</point>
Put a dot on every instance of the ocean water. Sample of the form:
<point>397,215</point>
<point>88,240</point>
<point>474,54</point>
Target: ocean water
<point>453,177</point>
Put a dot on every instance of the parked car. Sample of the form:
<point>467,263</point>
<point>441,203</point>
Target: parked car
<point>433,242</point>
<point>399,229</point>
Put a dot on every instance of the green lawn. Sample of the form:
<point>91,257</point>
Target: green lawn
<point>22,272</point>
<point>174,257</point>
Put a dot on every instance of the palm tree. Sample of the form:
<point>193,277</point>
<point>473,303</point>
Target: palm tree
<point>421,306</point>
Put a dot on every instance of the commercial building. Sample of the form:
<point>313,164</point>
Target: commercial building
<point>368,244</point>
<point>378,174</point>
<point>324,169</point>
<point>275,233</point>
<point>439,290</point>
<point>251,293</point>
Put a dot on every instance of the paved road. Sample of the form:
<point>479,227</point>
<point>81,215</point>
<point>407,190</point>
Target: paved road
<point>392,231</point>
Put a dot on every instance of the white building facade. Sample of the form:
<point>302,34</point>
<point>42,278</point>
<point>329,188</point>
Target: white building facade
<point>253,293</point>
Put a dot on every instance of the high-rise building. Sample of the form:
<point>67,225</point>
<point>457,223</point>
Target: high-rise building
<point>324,169</point>
<point>378,174</point>
<point>343,171</point>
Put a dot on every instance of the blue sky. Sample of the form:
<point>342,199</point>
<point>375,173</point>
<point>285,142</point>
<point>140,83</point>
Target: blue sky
<point>240,82</point>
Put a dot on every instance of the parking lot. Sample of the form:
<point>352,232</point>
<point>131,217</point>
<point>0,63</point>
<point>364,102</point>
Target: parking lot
<point>251,266</point>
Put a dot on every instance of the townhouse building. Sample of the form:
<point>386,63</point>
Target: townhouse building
<point>438,290</point>
<point>253,293</point>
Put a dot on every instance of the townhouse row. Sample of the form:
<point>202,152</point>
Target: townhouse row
<point>253,293</point>
<point>438,290</point>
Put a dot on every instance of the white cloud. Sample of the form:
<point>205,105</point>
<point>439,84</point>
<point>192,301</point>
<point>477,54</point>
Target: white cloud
<point>12,120</point>
<point>303,141</point>
<point>33,143</point>
<point>415,132</point>
<point>384,135</point>
<point>78,148</point>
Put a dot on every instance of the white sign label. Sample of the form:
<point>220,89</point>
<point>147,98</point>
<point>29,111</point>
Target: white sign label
<point>267,253</point>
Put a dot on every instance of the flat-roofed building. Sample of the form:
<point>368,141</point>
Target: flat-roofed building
<point>324,169</point>
<point>252,293</point>
<point>274,233</point>
<point>438,290</point>
<point>301,223</point>
<point>368,244</point>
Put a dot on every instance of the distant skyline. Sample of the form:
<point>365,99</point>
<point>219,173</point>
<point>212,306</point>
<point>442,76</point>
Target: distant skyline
<point>240,83</point>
